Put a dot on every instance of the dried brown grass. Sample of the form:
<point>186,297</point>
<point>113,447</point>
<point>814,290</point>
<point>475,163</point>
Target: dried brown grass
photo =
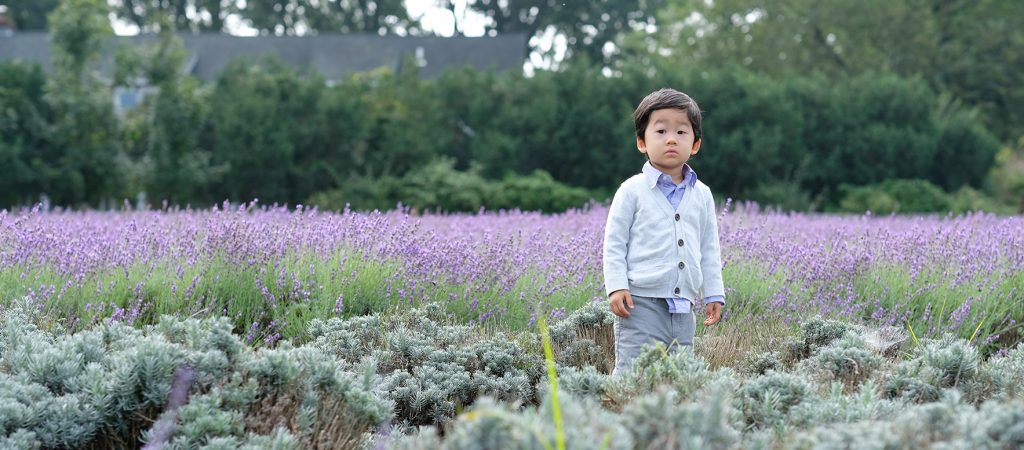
<point>335,426</point>
<point>729,343</point>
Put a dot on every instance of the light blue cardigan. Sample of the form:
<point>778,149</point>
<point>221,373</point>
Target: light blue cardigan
<point>652,253</point>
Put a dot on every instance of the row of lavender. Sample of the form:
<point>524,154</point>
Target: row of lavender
<point>273,269</point>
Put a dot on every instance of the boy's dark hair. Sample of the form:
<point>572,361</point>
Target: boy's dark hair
<point>667,98</point>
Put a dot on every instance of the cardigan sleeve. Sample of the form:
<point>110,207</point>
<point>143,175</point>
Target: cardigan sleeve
<point>616,240</point>
<point>710,253</point>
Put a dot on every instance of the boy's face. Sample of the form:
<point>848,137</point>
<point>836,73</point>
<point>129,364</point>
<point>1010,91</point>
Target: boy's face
<point>668,141</point>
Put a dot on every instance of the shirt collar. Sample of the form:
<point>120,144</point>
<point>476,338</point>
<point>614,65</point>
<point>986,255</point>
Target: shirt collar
<point>652,175</point>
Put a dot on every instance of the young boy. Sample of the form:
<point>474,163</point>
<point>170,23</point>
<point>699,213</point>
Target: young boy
<point>661,246</point>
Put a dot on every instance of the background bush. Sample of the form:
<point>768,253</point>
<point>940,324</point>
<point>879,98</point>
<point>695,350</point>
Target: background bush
<point>890,196</point>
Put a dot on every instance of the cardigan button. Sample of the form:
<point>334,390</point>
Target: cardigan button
<point>677,291</point>
<point>682,265</point>
<point>677,217</point>
<point>680,242</point>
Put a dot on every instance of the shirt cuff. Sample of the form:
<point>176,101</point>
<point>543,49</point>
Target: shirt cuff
<point>715,299</point>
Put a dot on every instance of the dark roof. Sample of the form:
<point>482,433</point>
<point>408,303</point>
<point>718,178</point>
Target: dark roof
<point>332,55</point>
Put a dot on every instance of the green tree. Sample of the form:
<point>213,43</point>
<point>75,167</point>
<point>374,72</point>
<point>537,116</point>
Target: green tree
<point>574,124</point>
<point>163,134</point>
<point>292,17</point>
<point>83,164</point>
<point>1006,180</point>
<point>405,133</point>
<point>190,15</point>
<point>330,158</point>
<point>24,132</point>
<point>588,27</point>
<point>973,49</point>
<point>29,14</point>
<point>262,117</point>
<point>587,134</point>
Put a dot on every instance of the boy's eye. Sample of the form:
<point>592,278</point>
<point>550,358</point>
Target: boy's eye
<point>659,131</point>
<point>682,132</point>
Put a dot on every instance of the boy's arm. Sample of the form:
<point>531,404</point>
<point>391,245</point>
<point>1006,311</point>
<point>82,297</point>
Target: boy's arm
<point>711,256</point>
<point>616,241</point>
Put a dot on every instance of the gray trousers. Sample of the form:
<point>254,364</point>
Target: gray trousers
<point>650,322</point>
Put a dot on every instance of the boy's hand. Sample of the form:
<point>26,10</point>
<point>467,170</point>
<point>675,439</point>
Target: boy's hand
<point>714,313</point>
<point>620,300</point>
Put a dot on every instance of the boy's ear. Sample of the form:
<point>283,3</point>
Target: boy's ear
<point>641,145</point>
<point>696,147</point>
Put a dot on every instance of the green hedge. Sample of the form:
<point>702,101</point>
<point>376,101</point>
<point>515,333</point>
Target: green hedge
<point>264,131</point>
<point>915,196</point>
<point>438,186</point>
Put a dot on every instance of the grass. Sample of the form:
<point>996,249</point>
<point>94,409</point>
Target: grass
<point>751,286</point>
<point>753,289</point>
<point>549,358</point>
<point>730,343</point>
<point>218,286</point>
<point>932,291</point>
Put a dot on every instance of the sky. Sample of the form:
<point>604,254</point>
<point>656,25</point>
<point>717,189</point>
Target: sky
<point>442,21</point>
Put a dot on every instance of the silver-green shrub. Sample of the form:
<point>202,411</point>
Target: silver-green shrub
<point>766,399</point>
<point>655,366</point>
<point>1006,374</point>
<point>204,419</point>
<point>20,440</point>
<point>952,359</point>
<point>497,425</point>
<point>423,438</point>
<point>997,425</point>
<point>213,347</point>
<point>838,406</point>
<point>846,360</point>
<point>22,404</point>
<point>661,420</point>
<point>68,422</point>
<point>585,338</point>
<point>450,380</point>
<point>591,315</point>
<point>947,362</point>
<point>430,370</point>
<point>349,339</point>
<point>279,439</point>
<point>105,387</point>
<point>581,382</point>
<point>814,333</point>
<point>948,423</point>
<point>761,363</point>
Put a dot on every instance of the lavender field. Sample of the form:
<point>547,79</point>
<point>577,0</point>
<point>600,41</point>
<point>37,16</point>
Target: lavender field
<point>271,270</point>
<point>247,326</point>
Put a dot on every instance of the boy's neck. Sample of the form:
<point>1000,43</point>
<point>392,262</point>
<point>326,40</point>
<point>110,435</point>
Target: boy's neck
<point>677,174</point>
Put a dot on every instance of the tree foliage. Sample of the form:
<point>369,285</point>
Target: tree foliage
<point>81,164</point>
<point>188,15</point>
<point>972,49</point>
<point>293,17</point>
<point>264,130</point>
<point>590,29</point>
<point>24,131</point>
<point>30,14</point>
<point>161,134</point>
